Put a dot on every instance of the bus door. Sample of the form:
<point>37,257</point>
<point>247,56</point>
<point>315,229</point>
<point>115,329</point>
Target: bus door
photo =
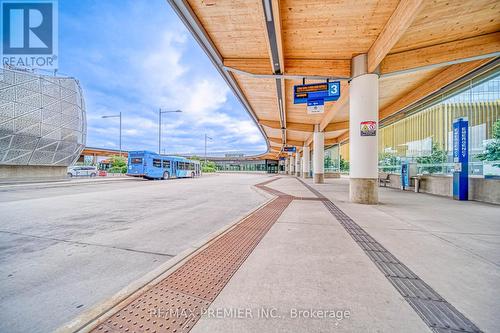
<point>174,168</point>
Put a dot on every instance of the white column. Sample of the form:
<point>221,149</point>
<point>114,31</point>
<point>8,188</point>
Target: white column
<point>297,164</point>
<point>305,162</point>
<point>319,155</point>
<point>287,166</point>
<point>363,149</point>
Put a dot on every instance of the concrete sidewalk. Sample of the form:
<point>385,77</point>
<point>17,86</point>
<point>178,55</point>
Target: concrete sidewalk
<point>308,275</point>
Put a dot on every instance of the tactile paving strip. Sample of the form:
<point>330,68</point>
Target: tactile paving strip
<point>435,311</point>
<point>177,302</point>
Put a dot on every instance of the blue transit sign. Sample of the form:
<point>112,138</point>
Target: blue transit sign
<point>461,159</point>
<point>289,149</point>
<point>328,91</point>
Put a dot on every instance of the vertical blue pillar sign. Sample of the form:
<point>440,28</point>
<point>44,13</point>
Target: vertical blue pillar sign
<point>461,159</point>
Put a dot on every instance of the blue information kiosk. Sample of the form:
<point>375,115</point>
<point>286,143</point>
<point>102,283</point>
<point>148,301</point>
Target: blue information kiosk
<point>461,159</point>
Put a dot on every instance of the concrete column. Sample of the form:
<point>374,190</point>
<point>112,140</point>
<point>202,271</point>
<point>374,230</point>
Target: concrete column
<point>319,156</point>
<point>292,165</point>
<point>297,165</point>
<point>363,150</point>
<point>287,166</point>
<point>305,162</point>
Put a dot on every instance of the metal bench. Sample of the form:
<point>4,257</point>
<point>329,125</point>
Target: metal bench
<point>384,179</point>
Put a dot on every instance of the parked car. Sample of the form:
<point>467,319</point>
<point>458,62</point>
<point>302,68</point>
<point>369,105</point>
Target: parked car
<point>82,171</point>
<point>103,173</point>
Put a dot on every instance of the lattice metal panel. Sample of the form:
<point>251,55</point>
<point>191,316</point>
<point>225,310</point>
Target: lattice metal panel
<point>38,114</point>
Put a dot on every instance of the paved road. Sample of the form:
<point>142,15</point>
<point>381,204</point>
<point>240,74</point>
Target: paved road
<point>65,247</point>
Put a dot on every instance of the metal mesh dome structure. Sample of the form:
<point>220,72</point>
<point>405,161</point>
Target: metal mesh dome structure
<point>42,119</point>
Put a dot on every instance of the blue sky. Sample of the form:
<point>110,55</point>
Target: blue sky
<point>135,56</point>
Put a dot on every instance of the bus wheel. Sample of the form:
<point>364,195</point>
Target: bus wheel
<point>192,174</point>
<point>166,175</point>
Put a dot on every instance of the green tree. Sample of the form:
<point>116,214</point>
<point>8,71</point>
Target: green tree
<point>118,164</point>
<point>328,162</point>
<point>344,165</point>
<point>208,166</point>
<point>389,162</point>
<point>492,150</point>
<point>437,156</point>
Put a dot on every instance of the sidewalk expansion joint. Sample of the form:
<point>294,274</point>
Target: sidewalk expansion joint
<point>439,315</point>
<point>177,302</point>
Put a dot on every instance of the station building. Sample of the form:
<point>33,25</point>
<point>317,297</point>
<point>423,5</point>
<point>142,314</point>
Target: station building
<point>407,71</point>
<point>239,163</point>
<point>95,156</point>
<point>42,124</point>
<point>417,130</point>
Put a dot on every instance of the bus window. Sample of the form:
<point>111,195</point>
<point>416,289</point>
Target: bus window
<point>191,166</point>
<point>166,164</point>
<point>136,160</point>
<point>157,163</point>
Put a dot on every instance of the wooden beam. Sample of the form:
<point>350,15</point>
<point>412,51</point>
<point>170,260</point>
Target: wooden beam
<point>275,141</point>
<point>288,142</point>
<point>341,103</point>
<point>295,143</point>
<point>258,66</point>
<point>299,127</point>
<point>400,20</point>
<point>319,67</point>
<point>443,54</point>
<point>301,67</point>
<point>442,79</point>
<point>337,126</point>
<point>343,137</point>
<point>331,141</point>
<point>309,140</point>
<point>271,123</point>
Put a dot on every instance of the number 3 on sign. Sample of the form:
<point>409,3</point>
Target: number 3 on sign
<point>333,89</point>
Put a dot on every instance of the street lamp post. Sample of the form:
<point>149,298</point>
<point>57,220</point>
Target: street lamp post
<point>160,112</point>
<point>209,138</point>
<point>117,116</point>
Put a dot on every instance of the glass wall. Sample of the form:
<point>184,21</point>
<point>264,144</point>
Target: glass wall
<point>344,156</point>
<point>425,134</point>
<point>242,165</point>
<point>332,159</point>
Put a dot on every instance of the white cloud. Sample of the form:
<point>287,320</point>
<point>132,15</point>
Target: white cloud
<point>141,58</point>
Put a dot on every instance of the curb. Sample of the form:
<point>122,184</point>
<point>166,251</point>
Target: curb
<point>89,319</point>
<point>62,183</point>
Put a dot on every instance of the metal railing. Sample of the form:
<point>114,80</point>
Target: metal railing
<point>478,168</point>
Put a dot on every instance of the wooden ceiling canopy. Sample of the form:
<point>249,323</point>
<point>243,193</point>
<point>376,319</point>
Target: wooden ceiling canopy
<point>268,46</point>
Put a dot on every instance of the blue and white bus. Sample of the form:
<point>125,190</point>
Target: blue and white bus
<point>150,165</point>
